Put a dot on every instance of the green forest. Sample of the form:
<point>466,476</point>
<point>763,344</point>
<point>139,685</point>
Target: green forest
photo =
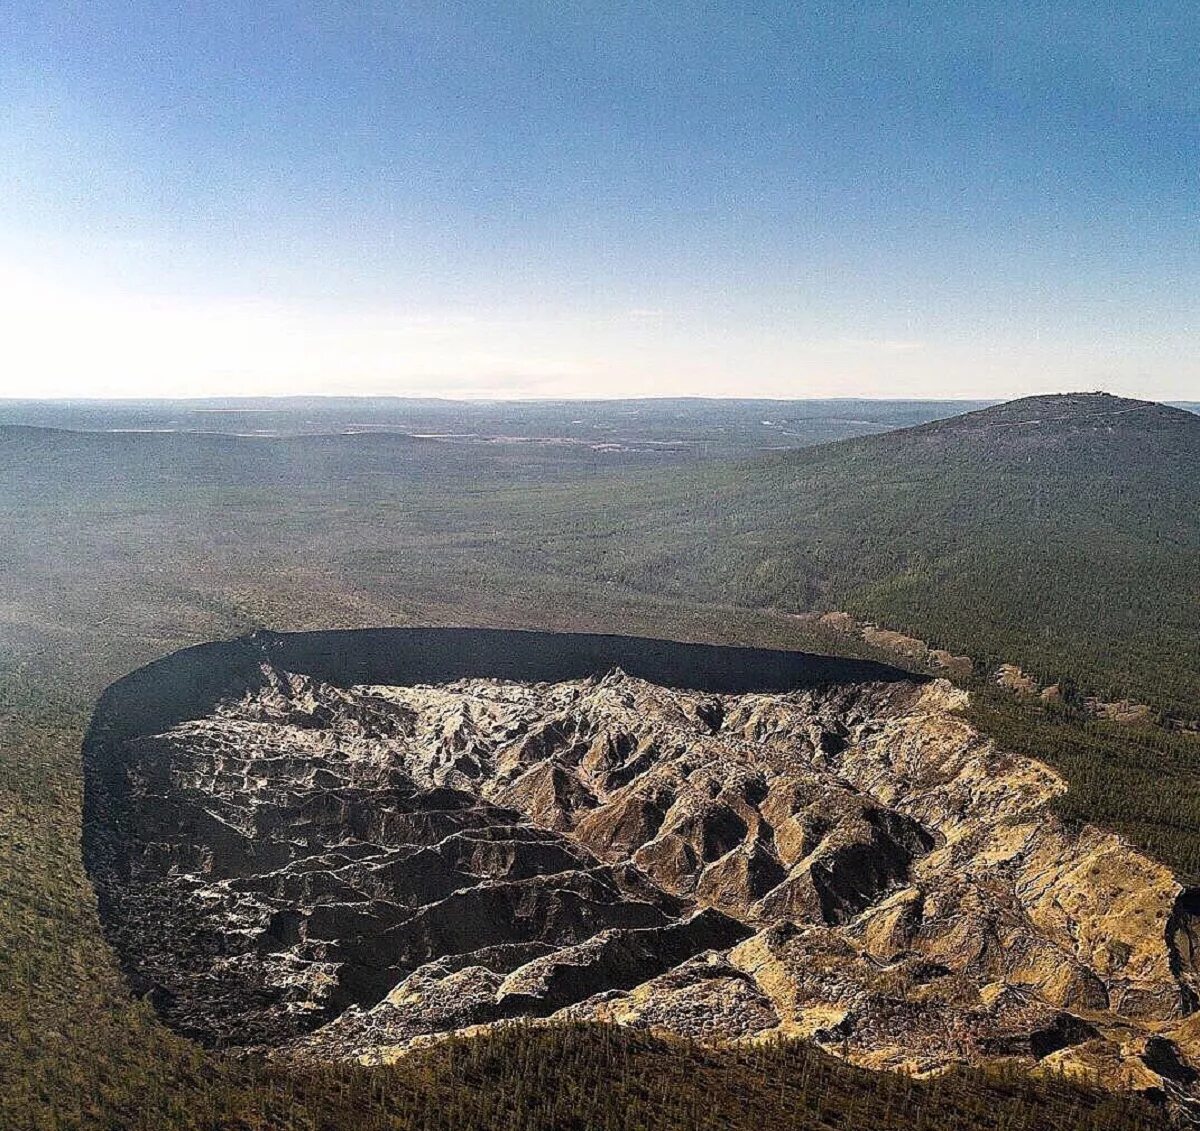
<point>1072,549</point>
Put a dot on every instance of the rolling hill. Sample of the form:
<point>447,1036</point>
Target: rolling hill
<point>1061,533</point>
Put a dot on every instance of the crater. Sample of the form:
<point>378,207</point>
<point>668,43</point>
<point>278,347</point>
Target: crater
<point>335,844</point>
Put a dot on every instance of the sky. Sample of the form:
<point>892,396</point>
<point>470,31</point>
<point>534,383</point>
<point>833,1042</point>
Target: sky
<point>569,199</point>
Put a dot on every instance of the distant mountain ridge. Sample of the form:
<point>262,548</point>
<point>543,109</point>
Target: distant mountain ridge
<point>1076,419</point>
<point>1060,532</point>
<point>1099,423</point>
<point>1051,407</point>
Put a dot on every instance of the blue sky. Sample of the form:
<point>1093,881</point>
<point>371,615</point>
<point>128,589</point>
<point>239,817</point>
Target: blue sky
<point>588,199</point>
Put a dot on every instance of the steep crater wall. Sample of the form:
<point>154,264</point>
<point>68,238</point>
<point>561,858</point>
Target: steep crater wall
<point>334,844</point>
<point>141,823</point>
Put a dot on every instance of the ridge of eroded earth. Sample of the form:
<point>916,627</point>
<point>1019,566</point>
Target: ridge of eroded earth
<point>342,872</point>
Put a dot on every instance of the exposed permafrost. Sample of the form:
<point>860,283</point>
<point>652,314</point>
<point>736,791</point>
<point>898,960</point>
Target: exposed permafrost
<point>341,871</point>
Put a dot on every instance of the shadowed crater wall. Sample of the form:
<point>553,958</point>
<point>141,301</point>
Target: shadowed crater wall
<point>334,844</point>
<point>150,829</point>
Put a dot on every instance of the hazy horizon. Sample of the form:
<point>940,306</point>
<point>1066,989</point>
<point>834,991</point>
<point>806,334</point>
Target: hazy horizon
<point>533,400</point>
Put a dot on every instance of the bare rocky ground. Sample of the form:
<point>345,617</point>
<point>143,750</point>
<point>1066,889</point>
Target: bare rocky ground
<point>341,873</point>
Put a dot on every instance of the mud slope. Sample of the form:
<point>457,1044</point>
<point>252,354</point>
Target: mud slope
<point>335,844</point>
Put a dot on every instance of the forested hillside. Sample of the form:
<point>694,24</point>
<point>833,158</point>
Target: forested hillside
<point>1068,545</point>
<point>1061,533</point>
